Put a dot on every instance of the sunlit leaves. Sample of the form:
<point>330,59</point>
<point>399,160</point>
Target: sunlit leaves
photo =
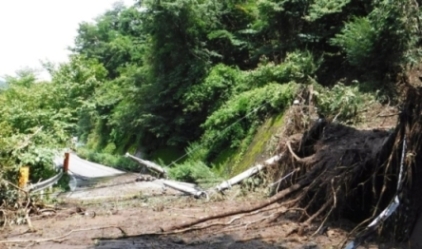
<point>357,39</point>
<point>239,116</point>
<point>342,102</point>
<point>321,8</point>
<point>32,129</point>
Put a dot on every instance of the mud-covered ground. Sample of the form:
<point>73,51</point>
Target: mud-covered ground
<point>117,222</point>
<point>119,212</point>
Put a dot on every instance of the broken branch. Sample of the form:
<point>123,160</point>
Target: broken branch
<point>61,236</point>
<point>280,195</point>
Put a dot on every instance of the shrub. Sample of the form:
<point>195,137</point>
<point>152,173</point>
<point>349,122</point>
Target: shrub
<point>297,66</point>
<point>216,88</point>
<point>224,82</point>
<point>343,102</point>
<point>110,148</point>
<point>40,161</point>
<point>239,117</point>
<point>192,171</point>
<point>357,39</point>
<point>322,8</point>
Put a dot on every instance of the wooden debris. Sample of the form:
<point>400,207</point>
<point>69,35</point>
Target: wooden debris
<point>145,178</point>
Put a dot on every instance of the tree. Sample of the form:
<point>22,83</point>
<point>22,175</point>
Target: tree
<point>32,129</point>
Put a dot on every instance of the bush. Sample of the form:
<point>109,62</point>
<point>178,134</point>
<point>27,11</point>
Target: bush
<point>343,102</point>
<point>217,88</point>
<point>110,148</point>
<point>192,171</point>
<point>239,117</point>
<point>357,39</point>
<point>224,83</point>
<point>297,66</point>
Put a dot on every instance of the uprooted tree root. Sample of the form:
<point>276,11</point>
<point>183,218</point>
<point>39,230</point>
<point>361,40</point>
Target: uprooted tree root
<point>339,171</point>
<point>17,205</point>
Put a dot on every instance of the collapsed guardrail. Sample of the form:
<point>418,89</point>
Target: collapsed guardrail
<point>61,165</point>
<point>248,173</point>
<point>44,184</point>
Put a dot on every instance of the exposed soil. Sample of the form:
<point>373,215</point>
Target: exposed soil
<point>114,212</point>
<point>100,223</point>
<point>143,214</point>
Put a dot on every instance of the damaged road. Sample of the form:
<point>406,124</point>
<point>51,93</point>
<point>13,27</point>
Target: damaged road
<point>339,185</point>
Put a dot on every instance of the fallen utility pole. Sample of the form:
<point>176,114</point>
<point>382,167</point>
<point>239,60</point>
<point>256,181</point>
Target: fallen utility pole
<point>192,190</point>
<point>150,165</point>
<point>248,173</point>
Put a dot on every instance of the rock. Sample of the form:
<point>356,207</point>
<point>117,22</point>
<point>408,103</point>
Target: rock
<point>178,240</point>
<point>310,246</point>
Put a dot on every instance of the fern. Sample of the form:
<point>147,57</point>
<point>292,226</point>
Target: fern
<point>238,117</point>
<point>342,102</point>
<point>357,39</point>
<point>219,34</point>
<point>321,8</point>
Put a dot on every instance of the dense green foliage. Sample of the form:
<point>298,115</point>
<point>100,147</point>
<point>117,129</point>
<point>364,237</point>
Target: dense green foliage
<point>193,171</point>
<point>201,76</point>
<point>32,128</point>
<point>342,102</point>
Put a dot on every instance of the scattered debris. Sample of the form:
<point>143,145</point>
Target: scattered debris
<point>145,178</point>
<point>339,171</point>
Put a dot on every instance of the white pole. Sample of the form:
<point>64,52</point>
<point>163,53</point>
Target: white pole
<point>150,165</point>
<point>248,173</point>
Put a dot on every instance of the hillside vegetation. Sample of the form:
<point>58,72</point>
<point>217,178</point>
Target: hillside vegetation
<point>169,77</point>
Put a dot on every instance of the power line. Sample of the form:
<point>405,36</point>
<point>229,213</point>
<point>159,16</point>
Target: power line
<point>220,133</point>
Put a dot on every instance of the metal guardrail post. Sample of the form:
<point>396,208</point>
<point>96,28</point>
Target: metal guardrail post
<point>23,176</point>
<point>66,162</point>
<point>40,186</point>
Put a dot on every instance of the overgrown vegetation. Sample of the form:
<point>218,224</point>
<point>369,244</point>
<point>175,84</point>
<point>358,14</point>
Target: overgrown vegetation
<point>31,130</point>
<point>203,75</point>
<point>342,103</point>
<point>195,172</point>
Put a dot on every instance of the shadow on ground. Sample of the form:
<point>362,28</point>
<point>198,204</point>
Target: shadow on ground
<point>175,242</point>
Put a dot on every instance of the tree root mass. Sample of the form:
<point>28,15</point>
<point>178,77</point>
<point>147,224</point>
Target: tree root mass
<point>350,174</point>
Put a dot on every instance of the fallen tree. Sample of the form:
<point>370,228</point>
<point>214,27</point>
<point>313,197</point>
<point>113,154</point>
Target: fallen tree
<point>371,177</point>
